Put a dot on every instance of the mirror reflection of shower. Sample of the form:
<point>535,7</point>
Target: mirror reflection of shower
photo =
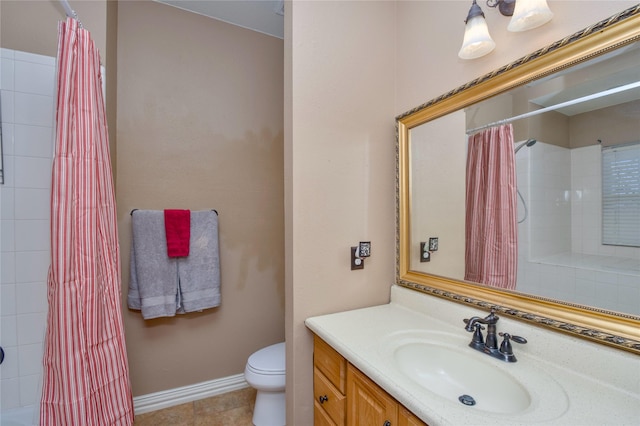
<point>528,143</point>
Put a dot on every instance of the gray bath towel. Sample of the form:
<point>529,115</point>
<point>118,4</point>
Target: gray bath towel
<point>153,284</point>
<point>200,271</point>
<point>161,286</point>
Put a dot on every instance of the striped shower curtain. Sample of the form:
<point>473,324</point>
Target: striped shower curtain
<point>491,225</point>
<point>86,374</point>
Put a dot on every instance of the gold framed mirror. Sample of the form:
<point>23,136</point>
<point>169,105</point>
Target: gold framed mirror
<point>591,45</point>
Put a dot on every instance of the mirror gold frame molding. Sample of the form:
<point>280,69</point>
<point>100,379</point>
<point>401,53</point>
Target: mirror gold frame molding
<point>621,331</point>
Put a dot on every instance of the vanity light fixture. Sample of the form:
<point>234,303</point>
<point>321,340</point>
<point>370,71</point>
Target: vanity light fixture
<point>525,15</point>
<point>529,14</point>
<point>358,253</point>
<point>477,41</point>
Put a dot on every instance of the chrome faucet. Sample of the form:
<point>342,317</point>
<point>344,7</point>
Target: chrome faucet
<point>490,345</point>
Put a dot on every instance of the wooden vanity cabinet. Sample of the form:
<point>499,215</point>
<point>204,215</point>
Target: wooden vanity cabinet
<point>329,385</point>
<point>345,396</point>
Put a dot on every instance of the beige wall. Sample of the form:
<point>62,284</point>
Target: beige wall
<point>111,79</point>
<point>340,170</point>
<point>200,127</point>
<point>439,148</point>
<point>614,125</point>
<point>32,25</point>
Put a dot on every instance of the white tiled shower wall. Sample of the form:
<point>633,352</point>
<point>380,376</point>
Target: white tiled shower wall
<point>560,251</point>
<point>27,84</point>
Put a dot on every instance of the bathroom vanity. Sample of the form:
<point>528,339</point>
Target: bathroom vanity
<point>342,392</point>
<point>409,363</point>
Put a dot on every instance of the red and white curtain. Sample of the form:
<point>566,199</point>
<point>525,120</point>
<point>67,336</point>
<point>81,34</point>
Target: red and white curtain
<point>491,251</point>
<point>86,374</point>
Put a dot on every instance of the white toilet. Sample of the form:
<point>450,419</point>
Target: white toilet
<point>265,372</point>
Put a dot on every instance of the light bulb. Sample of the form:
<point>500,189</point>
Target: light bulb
<point>477,42</point>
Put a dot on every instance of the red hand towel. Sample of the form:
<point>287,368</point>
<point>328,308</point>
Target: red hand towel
<point>177,225</point>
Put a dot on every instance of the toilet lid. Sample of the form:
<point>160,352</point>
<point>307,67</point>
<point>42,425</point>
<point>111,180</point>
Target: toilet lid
<point>269,360</point>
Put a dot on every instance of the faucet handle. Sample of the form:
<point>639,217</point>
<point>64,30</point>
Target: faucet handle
<point>505,347</point>
<point>478,338</point>
<point>519,339</point>
<point>469,323</point>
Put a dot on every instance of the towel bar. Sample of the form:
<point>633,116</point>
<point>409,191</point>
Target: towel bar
<point>213,210</point>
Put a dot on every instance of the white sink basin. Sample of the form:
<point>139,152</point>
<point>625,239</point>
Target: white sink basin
<point>443,365</point>
<point>462,376</point>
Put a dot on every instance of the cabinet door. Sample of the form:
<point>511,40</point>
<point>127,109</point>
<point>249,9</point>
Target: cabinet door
<point>367,403</point>
<point>320,417</point>
<point>407,418</point>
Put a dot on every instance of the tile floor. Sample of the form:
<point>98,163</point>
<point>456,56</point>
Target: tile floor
<point>229,409</point>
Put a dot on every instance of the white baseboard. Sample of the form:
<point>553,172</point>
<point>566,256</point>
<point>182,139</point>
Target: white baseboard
<point>164,399</point>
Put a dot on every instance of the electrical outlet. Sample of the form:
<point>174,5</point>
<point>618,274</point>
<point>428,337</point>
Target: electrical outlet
<point>425,256</point>
<point>356,262</point>
<point>433,244</point>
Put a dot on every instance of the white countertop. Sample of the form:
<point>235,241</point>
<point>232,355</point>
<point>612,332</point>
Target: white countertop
<point>571,381</point>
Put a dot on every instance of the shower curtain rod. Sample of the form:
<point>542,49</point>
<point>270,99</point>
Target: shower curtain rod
<point>67,8</point>
<point>558,106</point>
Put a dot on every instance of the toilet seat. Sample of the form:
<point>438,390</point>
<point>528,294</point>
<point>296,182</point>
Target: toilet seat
<point>268,361</point>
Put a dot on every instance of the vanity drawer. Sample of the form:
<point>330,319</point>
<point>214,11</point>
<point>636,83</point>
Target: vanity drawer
<point>328,398</point>
<point>330,363</point>
<point>320,417</point>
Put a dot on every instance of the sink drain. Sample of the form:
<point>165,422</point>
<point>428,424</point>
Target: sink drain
<point>467,400</point>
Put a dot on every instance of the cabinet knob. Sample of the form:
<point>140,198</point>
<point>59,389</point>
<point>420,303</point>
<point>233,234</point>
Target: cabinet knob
<point>323,398</point>
<point>386,423</point>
